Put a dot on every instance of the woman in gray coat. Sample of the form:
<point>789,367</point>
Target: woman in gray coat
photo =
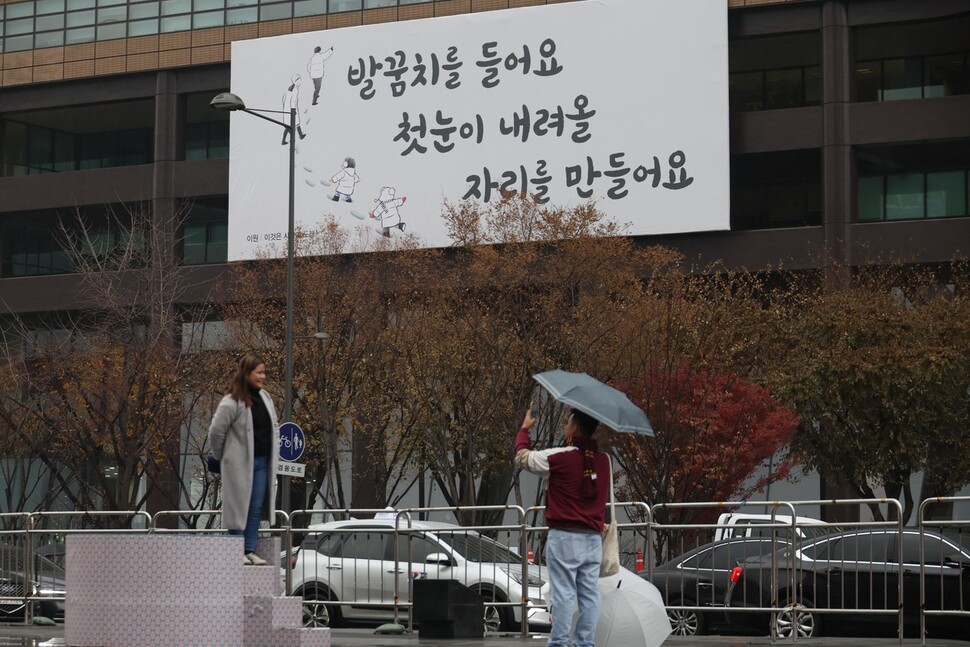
<point>245,437</point>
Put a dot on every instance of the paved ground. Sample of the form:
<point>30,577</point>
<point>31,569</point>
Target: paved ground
<point>23,636</point>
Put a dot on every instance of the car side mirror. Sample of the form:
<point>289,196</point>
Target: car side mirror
<point>441,559</point>
<point>956,561</point>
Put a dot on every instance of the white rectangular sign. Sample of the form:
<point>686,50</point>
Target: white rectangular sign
<point>621,102</point>
<point>284,468</point>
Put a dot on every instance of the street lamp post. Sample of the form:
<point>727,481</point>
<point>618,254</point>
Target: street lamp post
<point>231,102</point>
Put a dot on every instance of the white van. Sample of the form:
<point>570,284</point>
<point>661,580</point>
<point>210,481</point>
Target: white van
<point>738,524</point>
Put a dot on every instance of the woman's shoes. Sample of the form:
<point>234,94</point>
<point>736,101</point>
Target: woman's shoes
<point>252,559</point>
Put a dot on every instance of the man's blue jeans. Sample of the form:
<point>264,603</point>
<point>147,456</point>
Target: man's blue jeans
<point>574,568</point>
<point>256,500</point>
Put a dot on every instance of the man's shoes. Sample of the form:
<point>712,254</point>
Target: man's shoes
<point>246,561</point>
<point>255,560</point>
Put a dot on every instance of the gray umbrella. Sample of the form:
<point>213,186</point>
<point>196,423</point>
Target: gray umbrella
<point>603,402</point>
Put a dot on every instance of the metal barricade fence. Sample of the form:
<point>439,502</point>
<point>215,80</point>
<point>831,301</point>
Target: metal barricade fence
<point>45,555</point>
<point>374,580</point>
<point>944,569</point>
<point>365,570</point>
<point>699,581</point>
<point>863,558</point>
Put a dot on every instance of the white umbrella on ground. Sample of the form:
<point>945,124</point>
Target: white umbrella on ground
<point>632,612</point>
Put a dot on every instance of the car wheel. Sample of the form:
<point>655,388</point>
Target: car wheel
<point>496,618</point>
<point>685,622</point>
<point>317,614</point>
<point>798,620</point>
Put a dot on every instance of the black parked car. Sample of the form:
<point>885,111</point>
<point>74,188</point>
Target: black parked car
<point>700,577</point>
<point>859,570</point>
<point>48,580</point>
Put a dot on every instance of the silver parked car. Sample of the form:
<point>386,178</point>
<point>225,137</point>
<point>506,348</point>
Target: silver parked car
<point>353,562</point>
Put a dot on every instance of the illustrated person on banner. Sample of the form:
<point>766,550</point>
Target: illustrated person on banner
<point>245,436</point>
<point>387,211</point>
<point>315,69</point>
<point>578,487</point>
<point>345,179</point>
<point>291,101</point>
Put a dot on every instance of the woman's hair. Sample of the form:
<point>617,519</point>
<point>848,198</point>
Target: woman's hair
<point>586,423</point>
<point>239,387</point>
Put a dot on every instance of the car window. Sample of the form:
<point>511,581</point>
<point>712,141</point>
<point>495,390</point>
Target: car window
<point>328,544</point>
<point>820,550</point>
<point>727,556</point>
<point>475,548</point>
<point>698,560</point>
<point>363,544</point>
<point>421,547</point>
<point>862,547</point>
<point>936,551</point>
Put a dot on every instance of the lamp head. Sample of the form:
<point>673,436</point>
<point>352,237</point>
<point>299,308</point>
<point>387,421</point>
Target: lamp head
<point>227,101</point>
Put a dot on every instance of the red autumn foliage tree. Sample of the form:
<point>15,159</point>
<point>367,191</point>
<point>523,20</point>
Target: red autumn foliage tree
<point>714,430</point>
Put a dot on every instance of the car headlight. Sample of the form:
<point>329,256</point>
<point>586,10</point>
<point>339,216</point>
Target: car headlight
<point>517,576</point>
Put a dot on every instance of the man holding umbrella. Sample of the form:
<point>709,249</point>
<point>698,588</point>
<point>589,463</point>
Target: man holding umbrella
<point>578,486</point>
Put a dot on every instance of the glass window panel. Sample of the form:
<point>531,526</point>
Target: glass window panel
<point>176,23</point>
<point>904,196</point>
<point>18,43</point>
<point>945,76</point>
<point>143,27</point>
<point>195,142</point>
<point>813,86</point>
<point>309,8</point>
<point>279,11</point>
<point>49,39</point>
<point>49,23</point>
<point>746,91</point>
<point>143,10</point>
<point>241,3</point>
<point>218,247</point>
<point>172,7</point>
<point>783,89</point>
<point>868,79</point>
<point>49,6</point>
<point>376,4</point>
<point>111,3</point>
<point>871,199</point>
<point>946,194</point>
<point>80,19</point>
<point>902,79</point>
<point>16,27</point>
<point>63,151</point>
<point>218,139</point>
<point>20,10</point>
<point>207,5</point>
<point>110,32</point>
<point>1,11</point>
<point>112,15</point>
<point>79,4</point>
<point>82,35</point>
<point>344,5</point>
<point>242,16</point>
<point>208,19</point>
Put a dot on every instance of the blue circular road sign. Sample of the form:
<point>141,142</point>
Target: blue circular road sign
<point>292,441</point>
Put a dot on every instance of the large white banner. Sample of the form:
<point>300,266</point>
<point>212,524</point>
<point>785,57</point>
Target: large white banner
<point>621,102</point>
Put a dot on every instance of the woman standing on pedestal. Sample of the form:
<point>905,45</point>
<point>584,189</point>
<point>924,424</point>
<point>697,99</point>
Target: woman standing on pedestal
<point>245,437</point>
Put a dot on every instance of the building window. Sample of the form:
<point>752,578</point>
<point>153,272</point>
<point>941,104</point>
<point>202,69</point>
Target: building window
<point>206,130</point>
<point>77,138</point>
<point>771,73</point>
<point>206,231</point>
<point>773,190</point>
<point>34,243</point>
<point>913,78</point>
<point>913,181</point>
<point>793,87</point>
